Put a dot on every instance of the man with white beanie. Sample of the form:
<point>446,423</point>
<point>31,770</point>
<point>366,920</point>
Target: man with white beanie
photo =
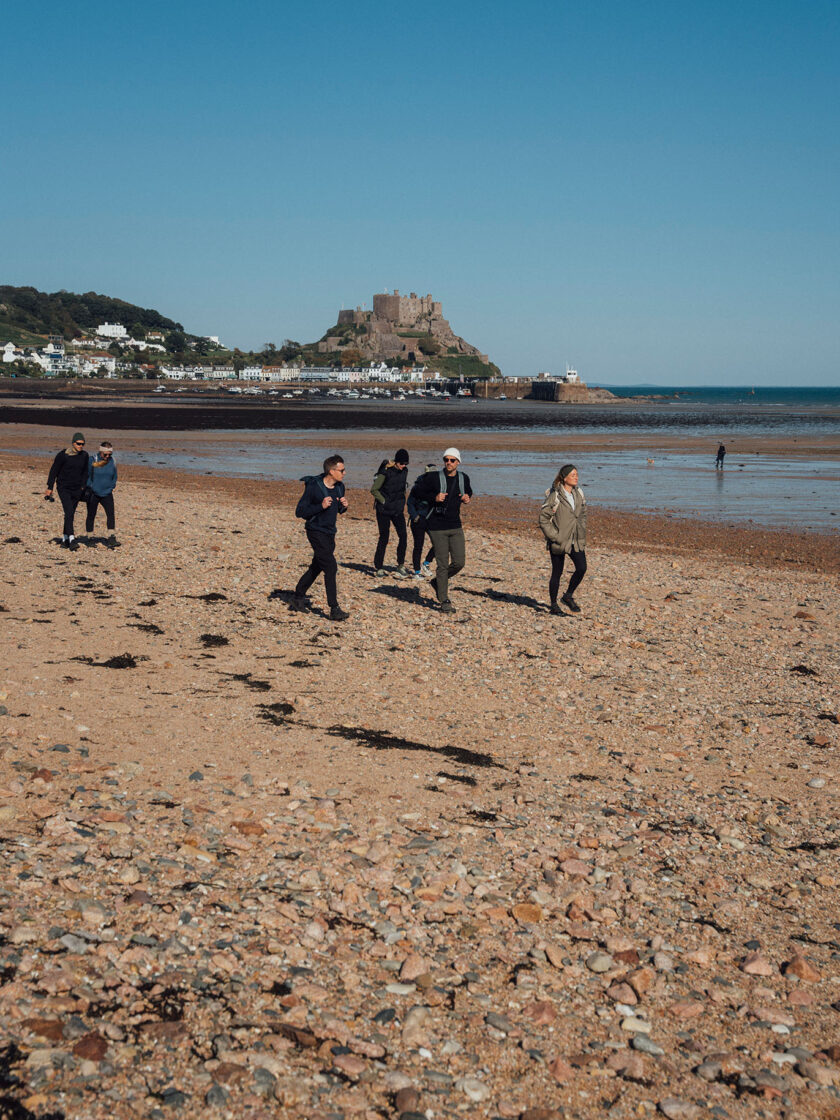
<point>445,491</point>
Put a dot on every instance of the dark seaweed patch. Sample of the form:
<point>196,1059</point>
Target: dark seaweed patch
<point>211,641</point>
<point>251,682</point>
<point>382,741</point>
<point>148,603</point>
<point>803,670</point>
<point>209,597</point>
<point>121,661</point>
<point>146,627</point>
<point>12,540</point>
<point>303,664</point>
<point>482,815</point>
<point>276,713</point>
<point>584,777</point>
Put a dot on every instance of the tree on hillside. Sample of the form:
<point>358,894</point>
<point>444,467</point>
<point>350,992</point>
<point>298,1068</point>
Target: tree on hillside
<point>351,357</point>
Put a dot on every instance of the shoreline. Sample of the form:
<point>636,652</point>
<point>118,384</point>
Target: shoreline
<point>629,532</point>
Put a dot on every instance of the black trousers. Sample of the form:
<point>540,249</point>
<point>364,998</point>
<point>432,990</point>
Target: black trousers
<point>69,500</point>
<point>578,558</point>
<point>323,560</point>
<point>418,533</point>
<point>384,522</point>
<point>94,502</point>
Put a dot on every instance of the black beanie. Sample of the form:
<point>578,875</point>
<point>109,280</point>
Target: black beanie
<point>401,456</point>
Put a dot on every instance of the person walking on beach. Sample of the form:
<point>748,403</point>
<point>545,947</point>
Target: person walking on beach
<point>320,504</point>
<point>721,452</point>
<point>445,492</point>
<point>69,471</point>
<point>101,483</point>
<point>563,522</point>
<point>389,487</point>
<point>418,518</point>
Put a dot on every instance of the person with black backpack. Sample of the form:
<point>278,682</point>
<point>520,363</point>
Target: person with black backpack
<point>320,504</point>
<point>445,492</point>
<point>418,513</point>
<point>389,487</point>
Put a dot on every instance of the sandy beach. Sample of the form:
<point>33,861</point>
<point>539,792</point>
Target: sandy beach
<point>498,864</point>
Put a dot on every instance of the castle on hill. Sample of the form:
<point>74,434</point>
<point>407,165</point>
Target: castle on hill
<point>409,326</point>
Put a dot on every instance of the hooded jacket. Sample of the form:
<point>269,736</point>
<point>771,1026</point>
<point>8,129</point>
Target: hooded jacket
<point>563,528</point>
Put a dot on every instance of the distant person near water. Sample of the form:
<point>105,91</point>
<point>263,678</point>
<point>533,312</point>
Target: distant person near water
<point>563,522</point>
<point>320,504</point>
<point>418,514</point>
<point>69,471</point>
<point>445,492</point>
<point>101,483</point>
<point>721,453</point>
<point>389,489</point>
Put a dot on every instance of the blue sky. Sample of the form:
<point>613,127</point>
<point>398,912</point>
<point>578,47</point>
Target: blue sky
<point>645,189</point>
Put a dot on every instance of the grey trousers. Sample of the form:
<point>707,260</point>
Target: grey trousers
<point>450,557</point>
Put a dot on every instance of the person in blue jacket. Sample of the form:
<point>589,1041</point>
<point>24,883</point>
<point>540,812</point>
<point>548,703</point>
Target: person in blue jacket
<point>320,504</point>
<point>101,483</point>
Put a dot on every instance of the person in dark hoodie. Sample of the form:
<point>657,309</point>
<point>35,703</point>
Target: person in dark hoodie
<point>320,504</point>
<point>69,471</point>
<point>101,483</point>
<point>389,489</point>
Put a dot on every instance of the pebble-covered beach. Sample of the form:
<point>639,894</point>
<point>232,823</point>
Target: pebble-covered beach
<point>495,864</point>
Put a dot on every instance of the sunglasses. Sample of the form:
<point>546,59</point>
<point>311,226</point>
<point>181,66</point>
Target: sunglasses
<point>449,460</point>
<point>78,443</point>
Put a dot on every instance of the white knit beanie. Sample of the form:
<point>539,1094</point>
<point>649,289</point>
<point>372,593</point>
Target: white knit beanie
<point>452,453</point>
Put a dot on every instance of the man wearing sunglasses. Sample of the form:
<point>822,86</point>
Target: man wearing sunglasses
<point>445,491</point>
<point>69,471</point>
<point>320,505</point>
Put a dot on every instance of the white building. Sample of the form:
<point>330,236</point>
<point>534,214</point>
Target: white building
<point>112,330</point>
<point>251,373</point>
<point>11,353</point>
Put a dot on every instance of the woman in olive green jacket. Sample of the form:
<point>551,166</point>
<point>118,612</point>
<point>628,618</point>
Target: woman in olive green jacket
<point>563,522</point>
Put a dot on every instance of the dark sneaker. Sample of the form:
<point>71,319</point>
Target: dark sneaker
<point>554,609</point>
<point>338,615</point>
<point>298,603</point>
<point>64,544</point>
<point>112,542</point>
<point>570,603</point>
<point>402,572</point>
<point>447,607</point>
<point>73,545</point>
<point>380,573</point>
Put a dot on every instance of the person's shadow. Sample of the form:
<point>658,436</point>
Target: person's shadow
<point>407,593</point>
<point>506,597</point>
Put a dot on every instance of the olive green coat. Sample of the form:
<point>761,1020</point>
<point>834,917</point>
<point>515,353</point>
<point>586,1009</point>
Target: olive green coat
<point>563,529</point>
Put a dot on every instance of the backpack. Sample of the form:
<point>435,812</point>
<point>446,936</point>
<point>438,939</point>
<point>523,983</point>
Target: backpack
<point>307,478</point>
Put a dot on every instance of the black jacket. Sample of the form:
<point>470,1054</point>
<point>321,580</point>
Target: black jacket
<point>389,488</point>
<point>69,471</point>
<point>310,509</point>
<point>446,514</point>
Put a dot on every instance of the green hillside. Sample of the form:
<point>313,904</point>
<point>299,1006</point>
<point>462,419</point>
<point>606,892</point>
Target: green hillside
<point>27,316</point>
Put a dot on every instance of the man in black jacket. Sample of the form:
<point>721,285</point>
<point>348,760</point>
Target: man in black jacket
<point>70,471</point>
<point>321,503</point>
<point>389,487</point>
<point>444,498</point>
